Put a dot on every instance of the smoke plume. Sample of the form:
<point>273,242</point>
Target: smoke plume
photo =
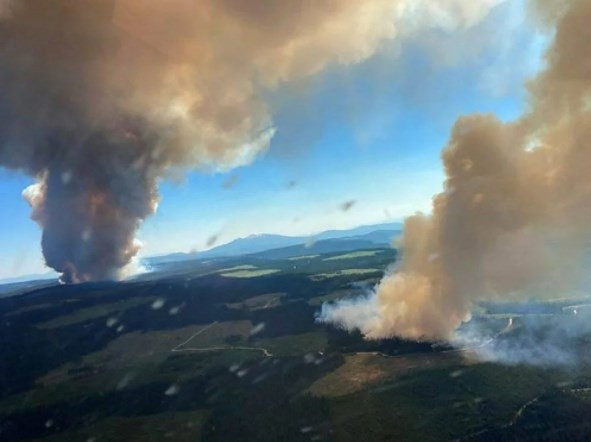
<point>102,98</point>
<point>514,219</point>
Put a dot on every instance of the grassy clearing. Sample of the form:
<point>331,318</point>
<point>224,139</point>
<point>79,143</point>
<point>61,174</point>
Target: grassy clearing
<point>353,255</point>
<point>362,370</point>
<point>29,308</point>
<point>249,273</point>
<point>179,426</point>
<point>440,403</point>
<point>292,345</point>
<point>84,314</point>
<point>236,268</point>
<point>258,302</point>
<point>176,368</point>
<point>81,385</point>
<point>136,351</point>
<point>345,272</point>
<point>299,258</point>
<point>216,334</point>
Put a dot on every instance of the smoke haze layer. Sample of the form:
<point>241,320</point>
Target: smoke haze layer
<point>102,98</point>
<point>513,220</point>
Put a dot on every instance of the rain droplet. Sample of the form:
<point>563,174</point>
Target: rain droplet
<point>212,240</point>
<point>260,378</point>
<point>257,329</point>
<point>158,304</point>
<point>230,181</point>
<point>124,382</point>
<point>86,235</point>
<point>347,205</point>
<point>309,358</point>
<point>172,390</point>
<point>66,177</point>
<point>175,309</point>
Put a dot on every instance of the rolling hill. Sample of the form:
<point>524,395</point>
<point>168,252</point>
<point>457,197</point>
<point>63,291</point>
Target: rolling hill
<point>378,235</point>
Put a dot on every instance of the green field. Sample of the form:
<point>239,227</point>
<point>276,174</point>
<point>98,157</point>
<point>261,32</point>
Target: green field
<point>353,255</point>
<point>248,273</point>
<point>344,272</point>
<point>230,350</point>
<point>256,302</point>
<point>300,258</point>
<point>180,426</point>
<point>85,314</point>
<point>235,268</point>
<point>307,343</point>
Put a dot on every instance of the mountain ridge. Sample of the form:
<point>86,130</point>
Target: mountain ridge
<point>375,234</point>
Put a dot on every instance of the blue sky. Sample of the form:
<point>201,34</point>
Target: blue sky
<point>372,133</point>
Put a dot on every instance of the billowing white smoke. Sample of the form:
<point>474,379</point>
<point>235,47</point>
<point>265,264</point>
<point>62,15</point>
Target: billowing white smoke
<point>515,216</point>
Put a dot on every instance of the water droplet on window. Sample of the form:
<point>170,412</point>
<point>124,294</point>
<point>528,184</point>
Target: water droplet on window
<point>257,329</point>
<point>172,390</point>
<point>175,309</point>
<point>124,382</point>
<point>309,358</point>
<point>86,235</point>
<point>158,304</point>
<point>66,177</point>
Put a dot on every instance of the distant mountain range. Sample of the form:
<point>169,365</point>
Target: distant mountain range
<point>32,277</point>
<point>278,246</point>
<point>15,288</point>
<point>362,242</point>
<point>265,246</point>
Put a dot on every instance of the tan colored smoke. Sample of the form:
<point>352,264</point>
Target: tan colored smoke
<point>5,8</point>
<point>515,216</point>
<point>102,98</point>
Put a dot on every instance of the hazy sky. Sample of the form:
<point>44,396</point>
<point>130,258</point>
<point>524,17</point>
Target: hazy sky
<point>370,133</point>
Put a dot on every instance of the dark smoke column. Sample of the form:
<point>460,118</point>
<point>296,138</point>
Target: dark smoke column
<point>90,206</point>
<point>100,99</point>
<point>60,121</point>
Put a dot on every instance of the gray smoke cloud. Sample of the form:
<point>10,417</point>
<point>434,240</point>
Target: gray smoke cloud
<point>103,98</point>
<point>537,339</point>
<point>513,221</point>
